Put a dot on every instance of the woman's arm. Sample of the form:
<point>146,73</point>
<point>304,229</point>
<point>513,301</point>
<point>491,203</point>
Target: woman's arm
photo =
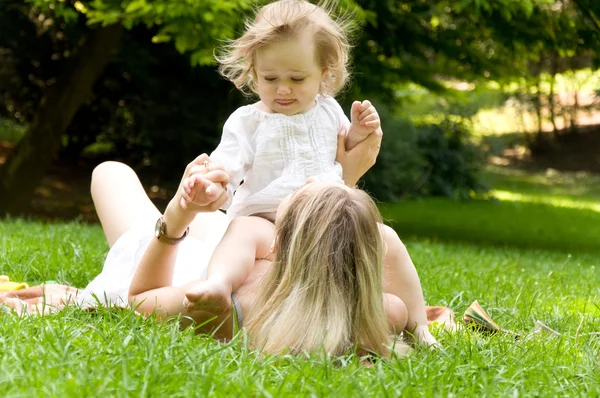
<point>156,266</point>
<point>357,161</point>
<point>167,301</point>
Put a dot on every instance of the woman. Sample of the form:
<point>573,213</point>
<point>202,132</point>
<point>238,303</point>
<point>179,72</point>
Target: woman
<point>160,282</point>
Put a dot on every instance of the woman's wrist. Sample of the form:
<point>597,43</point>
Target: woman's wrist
<point>350,181</point>
<point>177,219</point>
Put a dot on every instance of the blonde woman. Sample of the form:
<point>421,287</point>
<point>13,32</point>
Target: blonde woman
<point>324,289</point>
<point>154,274</point>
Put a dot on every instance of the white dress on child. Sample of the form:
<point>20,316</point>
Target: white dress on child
<point>273,154</point>
<point>111,286</point>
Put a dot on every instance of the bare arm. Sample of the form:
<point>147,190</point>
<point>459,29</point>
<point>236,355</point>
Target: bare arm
<point>155,271</point>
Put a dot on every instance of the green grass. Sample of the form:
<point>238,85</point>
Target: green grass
<point>519,277</point>
<point>554,211</point>
<point>115,353</point>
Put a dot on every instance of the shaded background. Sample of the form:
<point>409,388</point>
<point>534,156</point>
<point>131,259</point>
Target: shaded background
<point>459,85</point>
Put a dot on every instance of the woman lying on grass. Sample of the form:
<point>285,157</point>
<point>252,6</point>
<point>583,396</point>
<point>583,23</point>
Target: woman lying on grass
<point>323,290</point>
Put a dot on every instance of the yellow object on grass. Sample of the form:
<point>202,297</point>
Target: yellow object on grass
<point>7,286</point>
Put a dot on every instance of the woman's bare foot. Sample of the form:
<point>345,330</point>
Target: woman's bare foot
<point>212,295</point>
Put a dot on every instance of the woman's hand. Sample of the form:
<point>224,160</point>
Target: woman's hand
<point>357,161</point>
<point>209,175</point>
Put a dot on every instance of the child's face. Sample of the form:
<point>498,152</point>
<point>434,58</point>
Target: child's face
<point>288,75</point>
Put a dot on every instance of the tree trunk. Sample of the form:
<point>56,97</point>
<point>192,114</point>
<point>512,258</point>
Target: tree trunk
<point>34,153</point>
<point>575,110</point>
<point>551,98</point>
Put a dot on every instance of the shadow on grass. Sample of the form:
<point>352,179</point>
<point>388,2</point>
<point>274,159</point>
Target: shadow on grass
<point>497,223</point>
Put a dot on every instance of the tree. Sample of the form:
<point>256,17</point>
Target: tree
<point>193,26</point>
<point>421,41</point>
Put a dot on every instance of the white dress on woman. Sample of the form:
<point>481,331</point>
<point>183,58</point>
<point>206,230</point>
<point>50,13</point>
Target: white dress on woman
<point>111,286</point>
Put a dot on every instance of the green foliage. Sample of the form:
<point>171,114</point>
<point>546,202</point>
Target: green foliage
<point>10,131</point>
<point>150,104</point>
<point>453,161</point>
<point>399,168</point>
<point>426,160</point>
<point>194,27</point>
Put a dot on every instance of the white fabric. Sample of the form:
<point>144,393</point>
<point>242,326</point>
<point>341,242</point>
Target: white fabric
<point>112,285</point>
<point>273,154</point>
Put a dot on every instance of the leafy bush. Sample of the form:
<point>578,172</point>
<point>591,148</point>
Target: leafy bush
<point>427,160</point>
<point>453,161</point>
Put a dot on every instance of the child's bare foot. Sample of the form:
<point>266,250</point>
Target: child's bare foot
<point>212,295</point>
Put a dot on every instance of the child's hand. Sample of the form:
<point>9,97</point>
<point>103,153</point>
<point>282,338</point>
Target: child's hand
<point>199,190</point>
<point>364,117</point>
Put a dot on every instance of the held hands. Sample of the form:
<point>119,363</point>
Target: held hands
<point>365,121</point>
<point>204,185</point>
<point>364,118</point>
<point>357,161</point>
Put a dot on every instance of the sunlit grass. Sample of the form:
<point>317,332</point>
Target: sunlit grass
<point>580,187</point>
<point>555,201</point>
<point>486,103</point>
<point>530,255</point>
<point>554,211</point>
<point>108,353</point>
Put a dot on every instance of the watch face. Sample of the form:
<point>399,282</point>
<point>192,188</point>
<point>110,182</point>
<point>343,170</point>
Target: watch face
<point>157,228</point>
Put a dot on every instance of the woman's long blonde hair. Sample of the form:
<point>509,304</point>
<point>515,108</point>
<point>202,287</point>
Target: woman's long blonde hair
<point>285,19</point>
<point>323,291</point>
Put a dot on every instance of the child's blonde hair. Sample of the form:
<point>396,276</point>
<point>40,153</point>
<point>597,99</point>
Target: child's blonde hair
<point>284,19</point>
<point>323,291</point>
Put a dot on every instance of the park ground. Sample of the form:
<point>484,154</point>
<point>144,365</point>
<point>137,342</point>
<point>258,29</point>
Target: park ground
<point>527,253</point>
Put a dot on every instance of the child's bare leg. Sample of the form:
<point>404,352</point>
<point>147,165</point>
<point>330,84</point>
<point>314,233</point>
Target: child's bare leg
<point>246,239</point>
<point>403,281</point>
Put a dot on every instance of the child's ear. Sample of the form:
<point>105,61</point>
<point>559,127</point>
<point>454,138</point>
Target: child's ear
<point>324,73</point>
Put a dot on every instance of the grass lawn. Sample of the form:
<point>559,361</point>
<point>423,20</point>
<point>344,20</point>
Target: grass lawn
<point>554,211</point>
<point>524,258</point>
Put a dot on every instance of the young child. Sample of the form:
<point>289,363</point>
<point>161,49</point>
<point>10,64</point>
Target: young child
<point>294,56</point>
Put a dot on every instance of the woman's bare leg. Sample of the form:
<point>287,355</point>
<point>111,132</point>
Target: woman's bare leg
<point>119,198</point>
<point>397,313</point>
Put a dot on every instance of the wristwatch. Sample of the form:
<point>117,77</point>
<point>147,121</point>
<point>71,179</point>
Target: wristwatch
<point>160,231</point>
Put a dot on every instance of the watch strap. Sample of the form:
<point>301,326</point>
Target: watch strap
<point>163,236</point>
